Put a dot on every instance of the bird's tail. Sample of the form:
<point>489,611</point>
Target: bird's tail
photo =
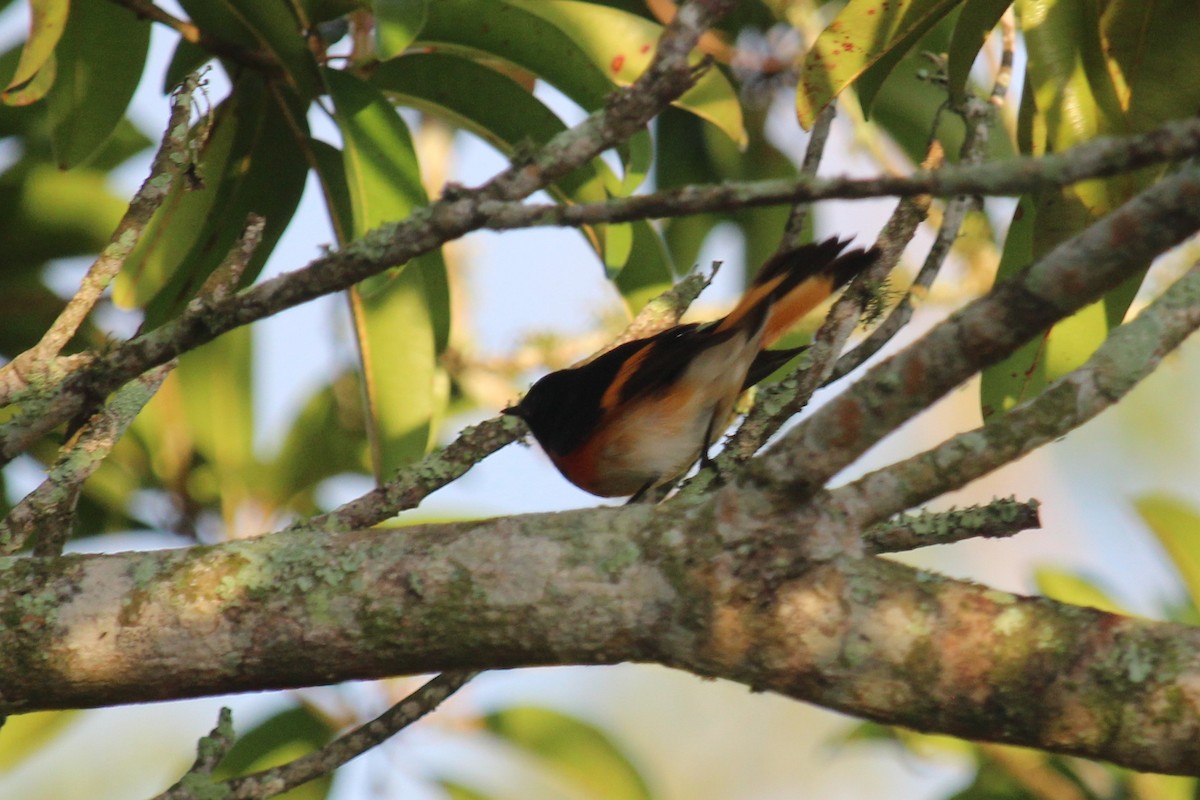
<point>795,282</point>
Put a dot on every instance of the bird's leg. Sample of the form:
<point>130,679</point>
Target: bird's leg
<point>640,493</point>
<point>705,461</point>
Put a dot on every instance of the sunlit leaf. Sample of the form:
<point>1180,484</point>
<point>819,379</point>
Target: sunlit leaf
<point>35,88</point>
<point>873,77</point>
<point>506,115</point>
<point>1070,587</point>
<point>862,33</point>
<point>99,62</point>
<point>1077,88</point>
<point>1176,524</point>
<point>397,25</point>
<point>624,44</point>
<point>216,385</point>
<point>47,20</point>
<point>457,791</point>
<point>581,49</point>
<point>25,734</point>
<point>401,317</point>
<point>573,748</point>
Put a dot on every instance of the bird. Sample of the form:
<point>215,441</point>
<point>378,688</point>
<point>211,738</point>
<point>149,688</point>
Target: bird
<point>641,414</point>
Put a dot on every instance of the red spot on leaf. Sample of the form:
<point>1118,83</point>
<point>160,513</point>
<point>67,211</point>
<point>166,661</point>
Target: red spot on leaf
<point>618,62</point>
<point>644,48</point>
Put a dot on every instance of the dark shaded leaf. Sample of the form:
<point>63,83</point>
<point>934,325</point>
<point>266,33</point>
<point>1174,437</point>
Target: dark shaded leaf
<point>100,59</point>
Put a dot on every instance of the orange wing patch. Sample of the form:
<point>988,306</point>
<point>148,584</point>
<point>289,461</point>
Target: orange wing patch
<point>613,393</point>
<point>791,308</point>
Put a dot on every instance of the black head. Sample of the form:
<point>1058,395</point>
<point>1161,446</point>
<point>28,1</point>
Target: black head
<point>563,407</point>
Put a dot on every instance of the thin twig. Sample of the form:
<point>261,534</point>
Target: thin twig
<point>48,511</point>
<point>782,401</point>
<point>979,118</point>
<point>170,160</point>
<point>793,231</point>
<point>210,751</point>
<point>277,780</point>
<point>1099,158</point>
<point>997,519</point>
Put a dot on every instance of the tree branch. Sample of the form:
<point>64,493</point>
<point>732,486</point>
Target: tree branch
<point>725,588</point>
<point>170,160</point>
<point>1131,352</point>
<point>1072,275</point>
<point>998,519</point>
<point>274,781</point>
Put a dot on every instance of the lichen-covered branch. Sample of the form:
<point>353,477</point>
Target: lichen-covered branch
<point>170,160</point>
<point>1102,157</point>
<point>997,519</point>
<point>1072,275</point>
<point>1130,353</point>
<point>739,586</point>
<point>48,512</point>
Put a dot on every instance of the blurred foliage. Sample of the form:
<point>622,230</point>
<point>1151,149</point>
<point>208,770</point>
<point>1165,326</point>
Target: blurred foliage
<point>190,462</point>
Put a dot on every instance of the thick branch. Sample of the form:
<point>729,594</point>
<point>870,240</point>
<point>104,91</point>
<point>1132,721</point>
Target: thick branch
<point>865,636</point>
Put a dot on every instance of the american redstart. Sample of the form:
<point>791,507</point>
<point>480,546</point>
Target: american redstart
<point>640,414</point>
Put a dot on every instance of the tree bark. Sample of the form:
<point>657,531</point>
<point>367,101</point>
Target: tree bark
<point>742,586</point>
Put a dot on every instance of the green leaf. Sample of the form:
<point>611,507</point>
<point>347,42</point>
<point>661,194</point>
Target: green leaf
<point>1069,587</point>
<point>624,43</point>
<point>99,63</point>
<point>1074,92</point>
<point>977,19</point>
<point>51,214</point>
<point>649,272</point>
<point>573,748</point>
<point>401,318</point>
<point>283,737</point>
<point>583,50</point>
<point>25,734</point>
<point>1176,524</point>
<point>1015,378</point>
<point>458,791</point>
<point>270,25</point>
<point>861,34</point>
<point>331,423</point>
<point>397,25</point>
<point>217,388</point>
<point>48,20</point>
<point>506,115</point>
<point>1155,68</point>
<point>873,77</point>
